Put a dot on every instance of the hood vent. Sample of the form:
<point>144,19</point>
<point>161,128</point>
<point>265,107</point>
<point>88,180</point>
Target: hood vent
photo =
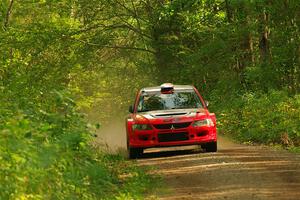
<point>169,114</point>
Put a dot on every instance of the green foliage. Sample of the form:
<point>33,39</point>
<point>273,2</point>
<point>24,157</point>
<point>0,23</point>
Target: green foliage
<point>242,55</point>
<point>59,59</point>
<point>47,155</point>
<point>271,118</point>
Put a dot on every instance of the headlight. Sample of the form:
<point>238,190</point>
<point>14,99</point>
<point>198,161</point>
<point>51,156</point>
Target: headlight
<point>141,127</point>
<point>204,122</point>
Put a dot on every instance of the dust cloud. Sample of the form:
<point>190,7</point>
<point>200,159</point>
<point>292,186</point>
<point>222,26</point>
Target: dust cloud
<point>112,138</point>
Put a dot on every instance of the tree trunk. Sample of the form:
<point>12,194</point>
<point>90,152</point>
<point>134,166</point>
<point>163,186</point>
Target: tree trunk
<point>8,13</point>
<point>229,13</point>
<point>264,46</point>
<point>6,23</point>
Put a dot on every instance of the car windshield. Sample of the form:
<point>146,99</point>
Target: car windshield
<point>177,100</point>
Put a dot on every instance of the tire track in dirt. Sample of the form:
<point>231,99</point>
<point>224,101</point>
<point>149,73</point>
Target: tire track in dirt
<point>234,172</point>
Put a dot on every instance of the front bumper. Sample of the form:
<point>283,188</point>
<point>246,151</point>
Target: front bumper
<point>175,137</point>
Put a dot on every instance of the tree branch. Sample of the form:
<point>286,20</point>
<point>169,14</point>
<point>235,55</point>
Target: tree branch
<point>6,21</point>
<point>116,47</point>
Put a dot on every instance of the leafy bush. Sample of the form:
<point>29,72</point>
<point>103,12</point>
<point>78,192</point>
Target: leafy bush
<point>45,154</point>
<point>271,118</point>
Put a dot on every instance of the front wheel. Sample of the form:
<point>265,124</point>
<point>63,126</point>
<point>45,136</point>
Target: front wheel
<point>210,147</point>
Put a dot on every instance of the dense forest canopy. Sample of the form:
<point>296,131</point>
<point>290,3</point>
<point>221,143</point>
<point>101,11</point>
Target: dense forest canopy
<point>104,50</point>
<point>62,58</point>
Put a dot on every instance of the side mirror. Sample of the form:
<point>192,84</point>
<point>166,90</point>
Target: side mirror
<point>206,103</point>
<point>130,109</point>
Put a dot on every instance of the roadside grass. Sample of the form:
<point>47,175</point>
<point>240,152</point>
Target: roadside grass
<point>47,154</point>
<point>291,149</point>
<point>294,149</point>
<point>135,182</point>
<point>34,168</point>
<point>271,118</point>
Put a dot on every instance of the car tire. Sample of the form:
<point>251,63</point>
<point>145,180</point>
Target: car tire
<point>211,147</point>
<point>134,152</point>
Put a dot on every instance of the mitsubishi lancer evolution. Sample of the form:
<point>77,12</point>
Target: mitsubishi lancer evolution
<point>170,115</point>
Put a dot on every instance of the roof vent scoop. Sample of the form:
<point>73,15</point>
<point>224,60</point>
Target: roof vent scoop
<point>167,88</point>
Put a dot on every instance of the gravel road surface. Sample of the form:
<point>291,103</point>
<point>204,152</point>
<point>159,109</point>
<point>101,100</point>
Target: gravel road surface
<point>234,172</point>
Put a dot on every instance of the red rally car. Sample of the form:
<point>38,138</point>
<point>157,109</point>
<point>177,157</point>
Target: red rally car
<point>170,115</point>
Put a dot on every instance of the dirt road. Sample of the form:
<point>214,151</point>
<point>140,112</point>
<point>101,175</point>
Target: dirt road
<point>234,172</point>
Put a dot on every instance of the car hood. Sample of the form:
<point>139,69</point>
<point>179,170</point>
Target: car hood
<point>172,116</point>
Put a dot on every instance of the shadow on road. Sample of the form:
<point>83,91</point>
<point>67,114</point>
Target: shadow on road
<point>234,172</point>
<point>170,153</point>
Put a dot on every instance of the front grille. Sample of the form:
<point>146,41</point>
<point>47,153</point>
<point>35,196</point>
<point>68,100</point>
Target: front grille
<point>169,126</point>
<point>171,137</point>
